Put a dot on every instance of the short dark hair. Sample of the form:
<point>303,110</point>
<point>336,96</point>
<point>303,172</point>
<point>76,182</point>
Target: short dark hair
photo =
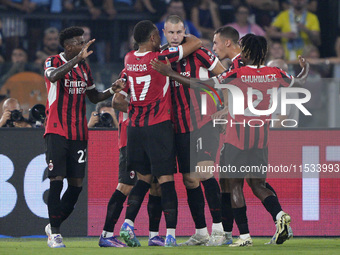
<point>69,33</point>
<point>229,32</point>
<point>142,31</point>
<point>174,19</point>
<point>254,47</point>
<point>102,104</point>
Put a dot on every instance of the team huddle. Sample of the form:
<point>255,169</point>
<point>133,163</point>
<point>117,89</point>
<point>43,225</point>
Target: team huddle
<point>161,128</point>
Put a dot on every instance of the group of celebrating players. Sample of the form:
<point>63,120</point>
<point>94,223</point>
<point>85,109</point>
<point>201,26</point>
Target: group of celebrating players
<point>160,121</point>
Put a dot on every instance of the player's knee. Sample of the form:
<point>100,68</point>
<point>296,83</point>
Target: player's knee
<point>124,188</point>
<point>155,190</point>
<point>189,182</point>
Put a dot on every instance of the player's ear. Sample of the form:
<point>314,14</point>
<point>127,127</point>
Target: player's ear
<point>227,43</point>
<point>163,31</point>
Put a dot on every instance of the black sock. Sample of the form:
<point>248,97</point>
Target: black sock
<point>212,194</point>
<point>154,212</point>
<point>135,199</point>
<point>196,204</point>
<point>273,206</point>
<point>114,209</point>
<point>53,204</point>
<point>169,203</point>
<point>227,213</point>
<point>240,215</point>
<point>270,188</point>
<point>68,201</point>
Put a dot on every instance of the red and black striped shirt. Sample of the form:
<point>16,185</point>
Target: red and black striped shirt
<point>236,62</point>
<point>186,102</point>
<point>65,106</point>
<point>248,130</point>
<point>150,101</point>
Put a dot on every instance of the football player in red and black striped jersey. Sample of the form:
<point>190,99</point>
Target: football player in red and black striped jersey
<point>150,144</point>
<point>226,45</point>
<point>191,125</point>
<point>68,79</point>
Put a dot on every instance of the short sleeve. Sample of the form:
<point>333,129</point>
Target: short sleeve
<point>207,58</point>
<point>174,54</point>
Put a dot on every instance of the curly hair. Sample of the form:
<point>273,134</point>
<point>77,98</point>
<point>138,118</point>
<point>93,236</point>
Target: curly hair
<point>142,31</point>
<point>69,33</point>
<point>255,48</point>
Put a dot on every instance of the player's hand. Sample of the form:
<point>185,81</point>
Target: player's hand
<point>162,68</point>
<point>84,53</point>
<point>118,85</point>
<point>302,61</point>
<point>94,119</point>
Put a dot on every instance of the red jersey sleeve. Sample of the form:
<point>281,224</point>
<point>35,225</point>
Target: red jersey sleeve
<point>226,76</point>
<point>286,80</point>
<point>174,54</point>
<point>207,58</point>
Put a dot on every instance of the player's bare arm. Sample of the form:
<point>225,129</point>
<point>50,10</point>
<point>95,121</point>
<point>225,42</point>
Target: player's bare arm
<point>166,70</point>
<point>120,103</point>
<point>61,71</point>
<point>96,96</point>
<point>300,79</point>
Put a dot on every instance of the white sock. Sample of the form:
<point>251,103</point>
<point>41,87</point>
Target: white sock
<point>106,234</point>
<point>217,226</point>
<point>171,231</point>
<point>130,222</point>
<point>202,231</point>
<point>244,236</point>
<point>153,234</point>
<point>279,215</point>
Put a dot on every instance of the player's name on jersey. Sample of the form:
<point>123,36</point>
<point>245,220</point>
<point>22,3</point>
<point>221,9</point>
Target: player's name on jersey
<point>136,67</point>
<point>259,78</point>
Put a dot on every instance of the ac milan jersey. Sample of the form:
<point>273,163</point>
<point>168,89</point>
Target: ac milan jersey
<point>122,129</point>
<point>236,62</point>
<point>150,101</point>
<point>186,102</point>
<point>248,130</point>
<point>65,106</point>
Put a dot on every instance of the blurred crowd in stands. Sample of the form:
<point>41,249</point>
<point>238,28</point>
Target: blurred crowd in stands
<point>29,32</point>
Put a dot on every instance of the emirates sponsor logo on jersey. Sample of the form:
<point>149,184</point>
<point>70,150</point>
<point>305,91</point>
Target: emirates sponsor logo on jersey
<point>75,87</point>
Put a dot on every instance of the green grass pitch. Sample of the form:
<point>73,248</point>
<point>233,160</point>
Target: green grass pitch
<point>86,246</point>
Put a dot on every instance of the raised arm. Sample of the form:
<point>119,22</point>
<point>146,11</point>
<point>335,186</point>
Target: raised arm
<point>61,71</point>
<point>192,43</point>
<point>166,70</point>
<point>300,79</point>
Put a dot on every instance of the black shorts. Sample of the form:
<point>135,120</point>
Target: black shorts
<point>199,145</point>
<point>125,176</point>
<point>237,163</point>
<point>151,149</point>
<point>66,158</point>
<point>185,153</point>
<point>207,141</point>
